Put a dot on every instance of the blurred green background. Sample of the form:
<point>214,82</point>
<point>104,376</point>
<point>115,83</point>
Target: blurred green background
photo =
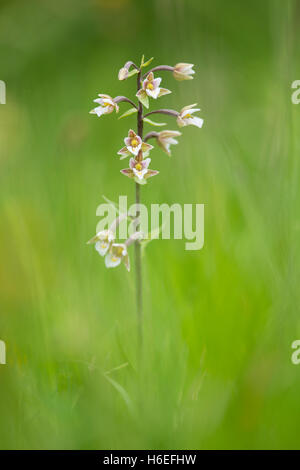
<point>218,326</point>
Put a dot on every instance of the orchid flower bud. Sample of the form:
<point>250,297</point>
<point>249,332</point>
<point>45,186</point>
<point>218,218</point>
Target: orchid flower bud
<point>186,118</point>
<point>183,71</point>
<point>123,73</point>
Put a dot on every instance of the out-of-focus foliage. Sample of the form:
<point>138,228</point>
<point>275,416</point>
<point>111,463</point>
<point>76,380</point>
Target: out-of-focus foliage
<point>219,323</point>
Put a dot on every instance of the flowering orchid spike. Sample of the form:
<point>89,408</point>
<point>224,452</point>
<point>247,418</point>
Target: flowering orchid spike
<point>117,254</point>
<point>106,105</point>
<point>166,138</point>
<point>183,71</point>
<point>186,118</point>
<point>133,145</point>
<point>103,241</point>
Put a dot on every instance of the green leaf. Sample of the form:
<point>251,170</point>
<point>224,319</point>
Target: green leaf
<point>148,62</point>
<point>164,91</point>
<point>129,112</point>
<point>123,393</point>
<point>143,98</point>
<point>132,73</point>
<point>153,123</point>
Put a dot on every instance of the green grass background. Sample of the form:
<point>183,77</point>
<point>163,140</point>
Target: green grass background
<point>218,325</point>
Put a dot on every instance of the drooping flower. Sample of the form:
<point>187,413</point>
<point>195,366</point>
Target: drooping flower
<point>103,241</point>
<point>139,170</point>
<point>186,118</point>
<point>133,144</point>
<point>151,87</point>
<point>117,254</point>
<point>166,138</point>
<point>123,73</point>
<point>183,71</point>
<point>105,238</point>
<point>106,105</point>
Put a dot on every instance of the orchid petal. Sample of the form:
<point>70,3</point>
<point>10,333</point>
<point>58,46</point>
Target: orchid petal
<point>128,172</point>
<point>163,91</point>
<point>102,247</point>
<point>112,261</point>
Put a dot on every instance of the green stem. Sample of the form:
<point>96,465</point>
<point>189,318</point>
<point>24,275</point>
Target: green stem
<point>138,258</point>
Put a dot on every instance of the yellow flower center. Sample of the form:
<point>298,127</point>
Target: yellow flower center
<point>187,116</point>
<point>107,104</point>
<point>134,143</point>
<point>150,86</point>
<point>114,259</point>
<point>138,166</point>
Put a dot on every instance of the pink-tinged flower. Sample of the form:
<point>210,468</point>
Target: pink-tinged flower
<point>183,71</point>
<point>133,145</point>
<point>166,138</point>
<point>106,105</point>
<point>103,241</point>
<point>186,118</point>
<point>139,170</point>
<point>133,142</point>
<point>117,254</point>
<point>151,87</point>
<point>123,73</point>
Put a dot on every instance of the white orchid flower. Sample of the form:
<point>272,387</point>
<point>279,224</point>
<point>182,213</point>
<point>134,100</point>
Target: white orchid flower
<point>151,87</point>
<point>103,241</point>
<point>186,118</point>
<point>133,144</point>
<point>117,254</point>
<point>105,238</point>
<point>139,170</point>
<point>183,71</point>
<point>106,105</point>
<point>166,138</point>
